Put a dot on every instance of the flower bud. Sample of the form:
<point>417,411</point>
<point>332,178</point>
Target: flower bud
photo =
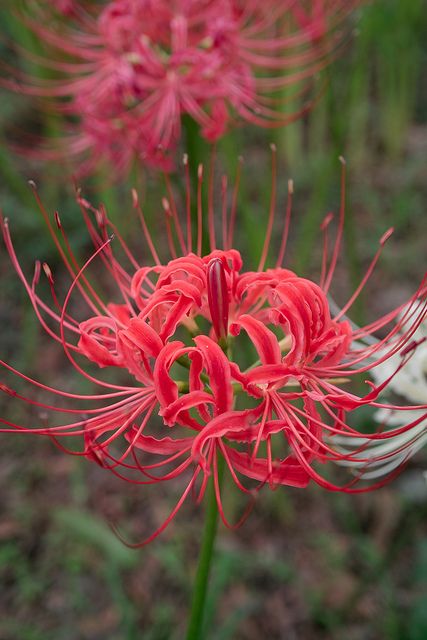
<point>218,297</point>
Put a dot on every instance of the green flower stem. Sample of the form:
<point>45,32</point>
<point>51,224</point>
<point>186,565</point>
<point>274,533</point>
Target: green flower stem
<point>196,147</point>
<point>13,178</point>
<point>195,626</point>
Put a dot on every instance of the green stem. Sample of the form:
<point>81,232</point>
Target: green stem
<point>16,183</point>
<point>196,147</point>
<point>200,589</point>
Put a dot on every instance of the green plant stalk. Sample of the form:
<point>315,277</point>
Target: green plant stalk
<point>196,147</point>
<point>13,178</point>
<point>201,582</point>
<point>199,152</point>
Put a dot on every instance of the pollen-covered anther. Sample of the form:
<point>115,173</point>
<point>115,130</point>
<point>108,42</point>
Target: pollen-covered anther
<point>166,206</point>
<point>48,272</point>
<point>8,390</point>
<point>135,200</point>
<point>218,297</point>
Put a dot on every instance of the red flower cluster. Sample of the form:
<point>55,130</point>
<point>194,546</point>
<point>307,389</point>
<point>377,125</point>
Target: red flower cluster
<point>251,366</point>
<point>66,7</point>
<point>132,68</point>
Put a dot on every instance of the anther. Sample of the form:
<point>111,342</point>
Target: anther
<point>48,272</point>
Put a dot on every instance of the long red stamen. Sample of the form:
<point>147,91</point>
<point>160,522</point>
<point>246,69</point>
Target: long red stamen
<point>272,210</point>
<point>233,212</point>
<point>188,203</point>
<point>338,238</point>
<point>211,217</point>
<point>147,234</point>
<point>286,226</point>
<point>199,209</point>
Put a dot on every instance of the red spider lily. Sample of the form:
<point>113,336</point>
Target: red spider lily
<point>66,7</point>
<point>130,69</point>
<point>180,335</point>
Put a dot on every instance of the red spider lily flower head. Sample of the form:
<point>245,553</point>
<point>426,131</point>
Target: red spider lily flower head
<point>216,361</point>
<point>65,7</point>
<point>132,68</point>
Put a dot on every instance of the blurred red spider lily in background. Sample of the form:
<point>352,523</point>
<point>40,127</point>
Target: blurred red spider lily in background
<point>179,334</point>
<point>129,70</point>
<point>65,7</point>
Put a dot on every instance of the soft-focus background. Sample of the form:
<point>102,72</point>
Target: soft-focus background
<point>307,564</point>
